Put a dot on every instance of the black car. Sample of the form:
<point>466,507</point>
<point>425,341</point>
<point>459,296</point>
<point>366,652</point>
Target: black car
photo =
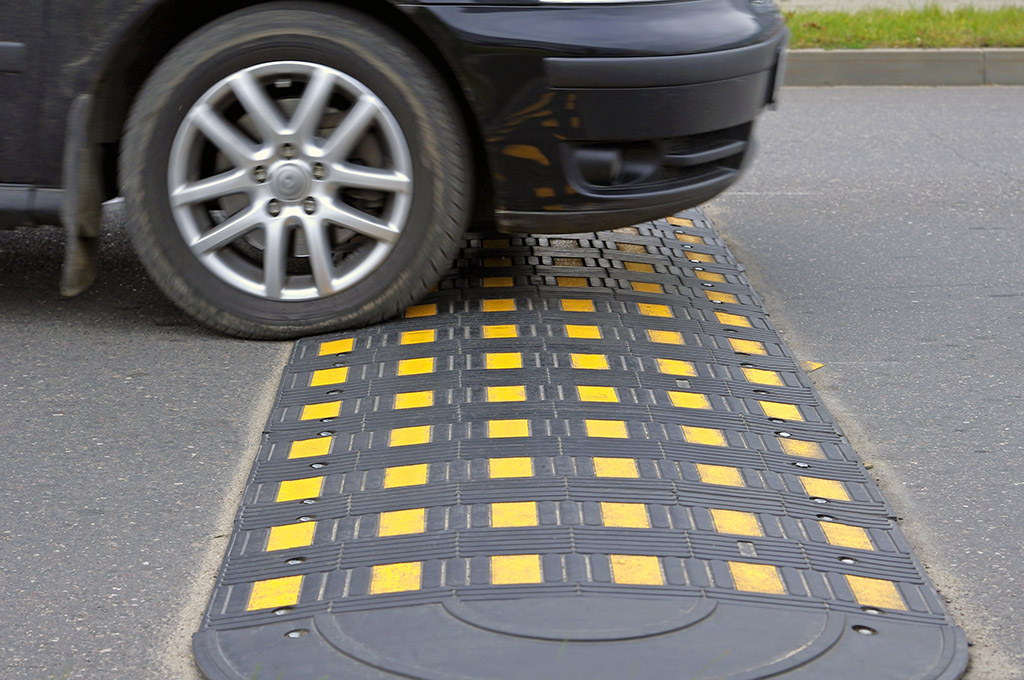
<point>296,167</point>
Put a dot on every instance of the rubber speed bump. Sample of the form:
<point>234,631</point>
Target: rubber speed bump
<point>612,469</point>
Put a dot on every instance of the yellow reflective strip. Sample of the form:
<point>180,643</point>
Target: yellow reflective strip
<point>687,238</point>
<point>583,332</point>
<point>329,376</point>
<point>666,337</point>
<point>846,536</point>
<point>337,346</point>
<point>402,522</point>
<point>643,287</point>
<point>798,447</point>
<point>572,281</point>
<point>495,332</point>
<point>733,320</point>
<point>616,467</point>
<point>655,310</point>
<point>824,488</point>
<point>711,276</point>
<point>514,514</point>
<point>498,282</point>
<point>418,337</point>
<point>395,578</point>
<point>735,522</point>
<point>748,346</point>
<point>763,377</point>
<point>597,393</point>
<point>679,222</point>
<point>408,436</point>
<point>298,489</point>
<point>689,400</point>
<point>874,592</point>
<point>405,475</point>
<point>629,515</point>
<point>716,296</point>
<point>307,448</point>
<point>719,474</point>
<point>676,367</point>
<point>504,360</point>
<point>699,257</point>
<point>416,366</point>
<point>578,306</point>
<point>329,409</point>
<point>631,247</point>
<point>639,267</point>
<point>639,570</point>
<point>498,305</point>
<point>275,592</point>
<point>288,536</point>
<point>507,393</point>
<point>594,362</point>
<point>497,429</point>
<point>497,262</point>
<point>414,399</point>
<point>515,569</point>
<point>418,311</point>
<point>612,429</point>
<point>774,409</point>
<point>503,468</point>
<point>757,578</point>
<point>704,435</point>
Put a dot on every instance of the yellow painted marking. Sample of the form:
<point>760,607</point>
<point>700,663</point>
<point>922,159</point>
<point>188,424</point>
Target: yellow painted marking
<point>275,592</point>
<point>497,243</point>
<point>748,346</point>
<point>504,468</point>
<point>594,362</point>
<point>612,429</point>
<point>689,400</point>
<point>798,447</point>
<point>496,332</point>
<point>514,569</point>
<point>504,360</point>
<point>418,311</point>
<point>544,192</point>
<point>405,475</point>
<point>757,578</point>
<point>648,309</point>
<point>408,436</point>
<point>631,247</point>
<point>846,536</point>
<point>596,393</point>
<point>824,488</point>
<point>329,376</point>
<point>514,514</point>
<point>763,377</point>
<point>498,305</point>
<point>874,592</point>
<point>720,474</point>
<point>337,346</point>
<point>578,306</point>
<point>628,515</point>
<point>733,320</point>
<point>616,467</point>
<point>639,570</point>
<point>666,337</point>
<point>583,332</point>
<point>679,221</point>
<point>717,296</point>
<point>498,282</point>
<point>676,367</point>
<point>497,429</point>
<point>774,409</point>
<point>735,522</point>
<point>396,578</point>
<point>687,238</point>
<point>572,281</point>
<point>507,393</point>
<point>416,366</point>
<point>307,448</point>
<point>639,267</point>
<point>290,536</point>
<point>642,287</point>
<point>329,409</point>
<point>414,400</point>
<point>418,337</point>
<point>704,435</point>
<point>810,366</point>
<point>298,489</point>
<point>526,152</point>
<point>711,276</point>
<point>402,522</point>
<point>497,261</point>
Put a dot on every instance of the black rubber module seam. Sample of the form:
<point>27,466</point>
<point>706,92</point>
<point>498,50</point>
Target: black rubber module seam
<point>581,456</point>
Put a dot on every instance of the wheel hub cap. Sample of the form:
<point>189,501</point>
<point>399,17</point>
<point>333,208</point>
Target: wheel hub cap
<point>291,182</point>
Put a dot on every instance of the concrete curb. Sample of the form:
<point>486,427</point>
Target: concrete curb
<point>910,66</point>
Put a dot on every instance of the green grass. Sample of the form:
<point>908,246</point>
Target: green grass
<point>926,27</point>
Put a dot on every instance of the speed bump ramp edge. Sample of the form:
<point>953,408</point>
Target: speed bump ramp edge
<point>586,456</point>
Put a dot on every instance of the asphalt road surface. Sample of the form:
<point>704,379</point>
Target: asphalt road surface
<point>882,226</point>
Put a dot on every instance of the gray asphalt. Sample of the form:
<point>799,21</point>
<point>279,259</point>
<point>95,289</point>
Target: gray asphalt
<point>885,230</point>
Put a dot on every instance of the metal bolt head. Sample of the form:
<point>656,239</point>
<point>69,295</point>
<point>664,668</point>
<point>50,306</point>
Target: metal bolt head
<point>309,205</point>
<point>274,208</point>
<point>260,174</point>
<point>319,171</point>
<point>287,151</point>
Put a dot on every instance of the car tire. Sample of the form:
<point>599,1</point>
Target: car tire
<point>388,185</point>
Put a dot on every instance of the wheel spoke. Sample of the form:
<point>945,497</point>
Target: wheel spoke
<point>263,112</point>
<point>352,128</point>
<point>306,119</point>
<point>360,222</point>
<point>321,260</point>
<point>275,256</point>
<point>359,177</point>
<point>224,184</point>
<point>227,231</point>
<point>235,146</point>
